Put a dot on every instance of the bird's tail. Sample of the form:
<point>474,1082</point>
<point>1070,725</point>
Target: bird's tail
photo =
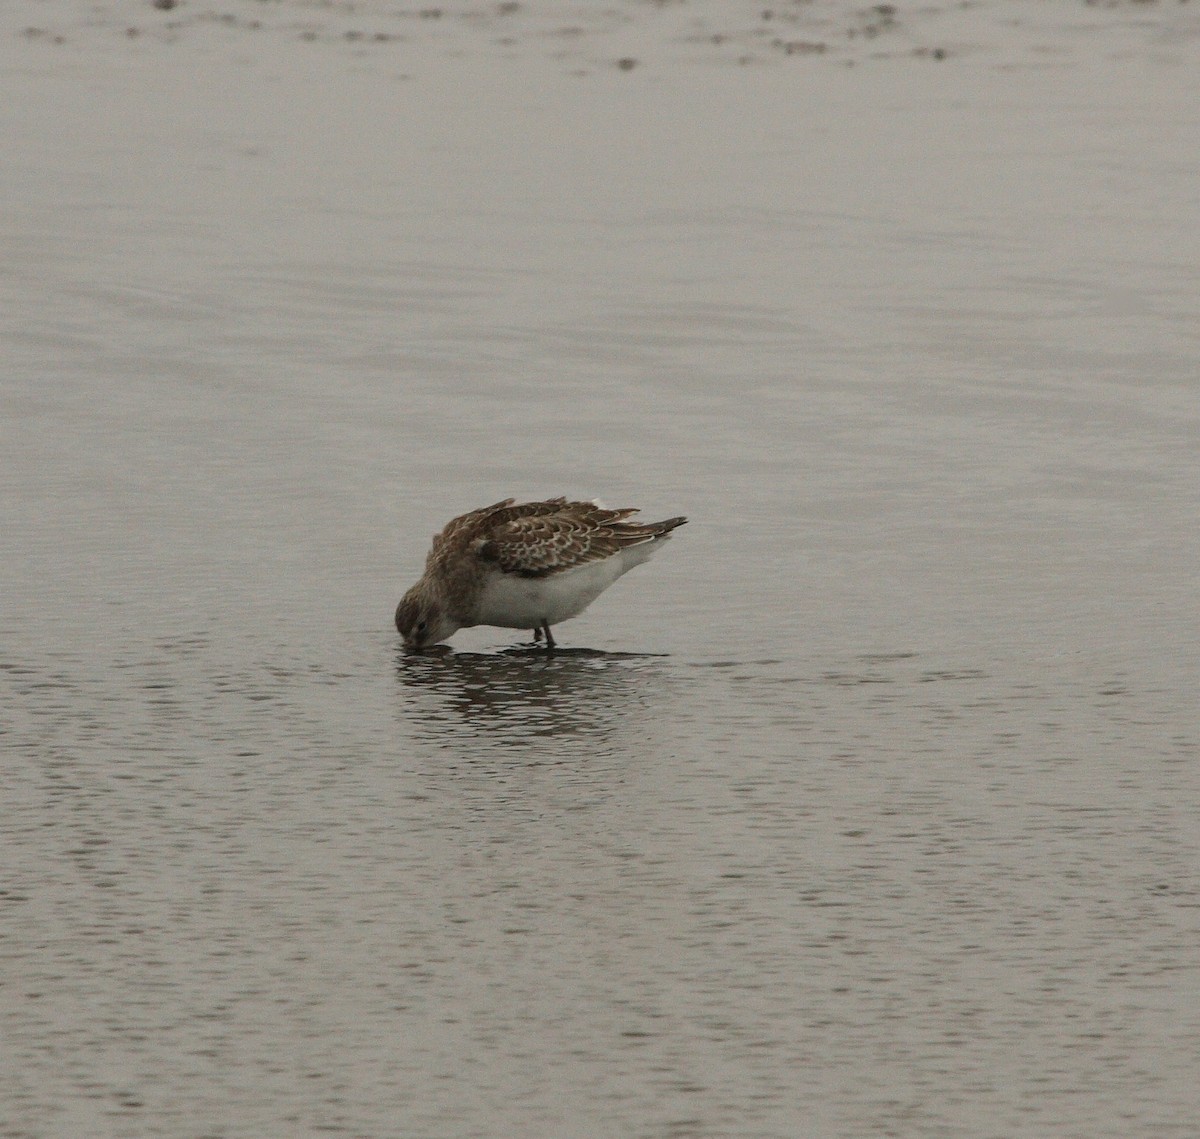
<point>662,529</point>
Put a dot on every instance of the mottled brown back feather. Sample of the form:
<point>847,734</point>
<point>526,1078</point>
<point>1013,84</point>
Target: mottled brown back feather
<point>537,539</point>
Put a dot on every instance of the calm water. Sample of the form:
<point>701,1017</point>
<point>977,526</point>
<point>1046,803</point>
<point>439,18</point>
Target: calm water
<point>869,807</point>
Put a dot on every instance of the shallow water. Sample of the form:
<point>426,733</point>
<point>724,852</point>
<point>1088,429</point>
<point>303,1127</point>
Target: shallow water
<point>867,808</point>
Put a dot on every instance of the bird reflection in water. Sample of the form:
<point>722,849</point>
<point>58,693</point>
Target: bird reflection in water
<point>524,693</point>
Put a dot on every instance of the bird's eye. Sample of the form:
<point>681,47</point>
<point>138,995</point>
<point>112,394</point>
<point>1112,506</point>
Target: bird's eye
<point>422,626</point>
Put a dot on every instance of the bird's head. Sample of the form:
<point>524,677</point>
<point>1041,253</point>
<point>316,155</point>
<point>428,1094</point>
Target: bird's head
<point>422,620</point>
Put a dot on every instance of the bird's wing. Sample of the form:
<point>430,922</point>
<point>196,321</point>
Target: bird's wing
<point>572,534</point>
<point>458,532</point>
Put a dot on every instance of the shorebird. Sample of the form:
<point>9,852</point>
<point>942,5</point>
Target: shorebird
<point>527,566</point>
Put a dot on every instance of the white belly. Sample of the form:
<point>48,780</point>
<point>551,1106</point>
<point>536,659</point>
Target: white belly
<point>514,602</point>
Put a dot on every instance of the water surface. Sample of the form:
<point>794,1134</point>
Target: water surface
<point>867,808</point>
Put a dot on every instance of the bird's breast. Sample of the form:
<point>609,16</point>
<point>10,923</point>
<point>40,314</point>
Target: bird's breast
<point>516,602</point>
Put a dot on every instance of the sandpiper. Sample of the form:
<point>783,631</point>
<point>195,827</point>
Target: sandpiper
<point>527,566</point>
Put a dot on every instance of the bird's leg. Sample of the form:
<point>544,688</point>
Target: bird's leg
<point>537,634</point>
<point>549,638</point>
